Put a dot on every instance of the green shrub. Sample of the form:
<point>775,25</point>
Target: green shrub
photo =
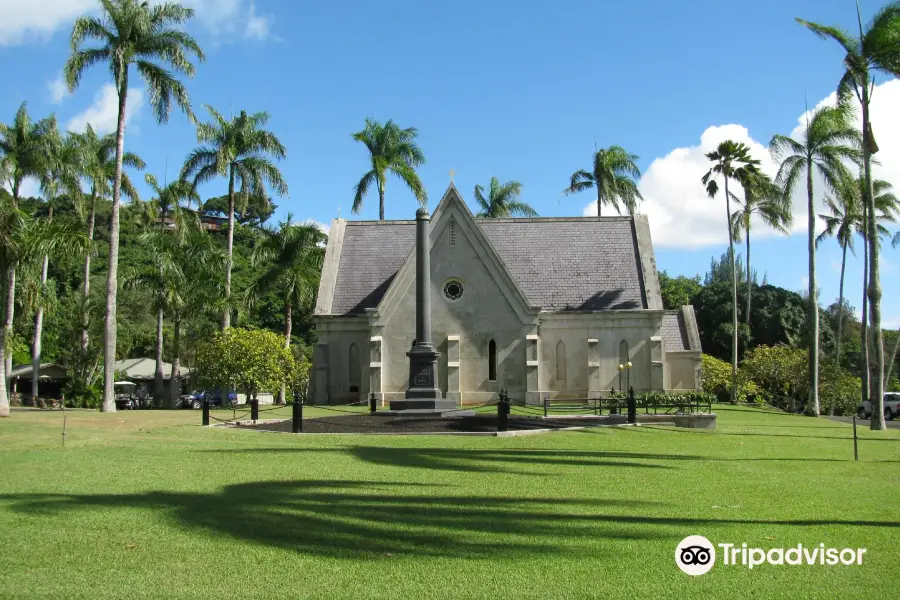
<point>80,394</point>
<point>246,359</point>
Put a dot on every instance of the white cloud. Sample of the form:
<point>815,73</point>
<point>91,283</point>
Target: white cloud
<point>58,90</point>
<point>257,26</point>
<point>21,21</point>
<point>682,215</point>
<point>103,113</point>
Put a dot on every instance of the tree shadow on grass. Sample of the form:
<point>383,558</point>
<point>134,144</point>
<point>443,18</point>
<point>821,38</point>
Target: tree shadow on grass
<point>484,460</point>
<point>354,519</point>
<point>650,427</point>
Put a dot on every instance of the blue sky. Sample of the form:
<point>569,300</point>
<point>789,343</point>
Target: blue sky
<point>516,90</point>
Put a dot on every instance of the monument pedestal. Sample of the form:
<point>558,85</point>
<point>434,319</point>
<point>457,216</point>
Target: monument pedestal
<point>423,394</point>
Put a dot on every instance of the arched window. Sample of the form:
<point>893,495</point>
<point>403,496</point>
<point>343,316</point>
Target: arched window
<point>452,234</point>
<point>561,362</point>
<point>353,368</point>
<point>492,361</point>
<point>623,352</point>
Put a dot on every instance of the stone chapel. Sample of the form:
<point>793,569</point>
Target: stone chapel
<point>544,306</point>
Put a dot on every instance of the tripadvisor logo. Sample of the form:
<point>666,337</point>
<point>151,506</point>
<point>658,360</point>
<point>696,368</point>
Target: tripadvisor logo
<point>696,555</point>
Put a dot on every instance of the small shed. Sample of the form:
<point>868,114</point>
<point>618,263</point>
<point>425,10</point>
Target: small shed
<point>51,380</point>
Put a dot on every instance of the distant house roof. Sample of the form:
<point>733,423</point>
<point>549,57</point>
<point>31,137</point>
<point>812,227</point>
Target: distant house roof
<point>46,370</point>
<point>144,369</point>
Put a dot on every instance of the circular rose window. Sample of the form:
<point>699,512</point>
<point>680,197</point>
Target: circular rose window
<point>453,289</point>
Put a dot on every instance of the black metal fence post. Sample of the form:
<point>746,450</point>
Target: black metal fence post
<point>855,450</point>
<point>254,409</point>
<point>632,406</point>
<point>503,411</point>
<point>373,403</point>
<point>546,404</point>
<point>613,401</point>
<point>297,417</point>
<point>205,413</point>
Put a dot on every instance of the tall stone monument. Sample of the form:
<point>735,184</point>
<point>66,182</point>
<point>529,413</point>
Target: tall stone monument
<point>423,393</point>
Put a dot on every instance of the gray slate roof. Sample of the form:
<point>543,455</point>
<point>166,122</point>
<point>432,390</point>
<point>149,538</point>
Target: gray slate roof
<point>561,264</point>
<point>674,332</point>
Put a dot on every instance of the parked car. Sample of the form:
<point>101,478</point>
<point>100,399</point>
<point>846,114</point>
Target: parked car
<point>891,407</point>
<point>215,397</point>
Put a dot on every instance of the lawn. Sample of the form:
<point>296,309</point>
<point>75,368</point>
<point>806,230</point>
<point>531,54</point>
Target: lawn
<point>147,504</point>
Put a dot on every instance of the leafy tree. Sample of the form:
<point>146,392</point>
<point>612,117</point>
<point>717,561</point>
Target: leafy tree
<point>291,260</point>
<point>97,156</point>
<point>678,291</point>
<point>132,33</point>
<point>250,360</point>
<point>762,198</point>
<point>502,201</point>
<point>828,140</point>
<point>238,149</point>
<point>613,175</point>
<point>731,160</point>
<point>875,49</point>
<point>393,150</point>
<point>23,239</point>
<point>256,212</point>
<point>21,153</point>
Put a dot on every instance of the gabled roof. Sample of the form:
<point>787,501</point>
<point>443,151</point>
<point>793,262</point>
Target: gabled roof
<point>679,330</point>
<point>145,368</point>
<point>559,264</point>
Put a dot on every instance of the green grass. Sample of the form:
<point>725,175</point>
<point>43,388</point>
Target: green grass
<point>147,504</point>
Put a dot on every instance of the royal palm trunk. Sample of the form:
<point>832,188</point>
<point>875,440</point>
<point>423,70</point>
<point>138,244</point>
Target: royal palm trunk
<point>812,407</point>
<point>226,315</point>
<point>175,379</point>
<point>734,311</point>
<point>112,279</point>
<point>288,325</point>
<point>39,329</point>
<point>876,382</point>
<point>86,285</point>
<point>840,327</point>
<point>158,392</point>
<point>749,283</point>
<point>10,299</point>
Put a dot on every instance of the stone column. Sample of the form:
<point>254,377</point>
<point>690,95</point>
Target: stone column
<point>423,394</point>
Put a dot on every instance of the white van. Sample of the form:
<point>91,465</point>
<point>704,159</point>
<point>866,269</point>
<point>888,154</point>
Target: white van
<point>891,407</point>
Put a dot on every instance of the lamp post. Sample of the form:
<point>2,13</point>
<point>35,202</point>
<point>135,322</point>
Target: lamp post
<point>628,371</point>
<point>620,368</point>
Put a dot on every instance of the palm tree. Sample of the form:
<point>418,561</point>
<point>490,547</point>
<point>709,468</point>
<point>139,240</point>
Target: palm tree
<point>238,149</point>
<point>763,198</point>
<point>98,168</point>
<point>502,201</point>
<point>875,49</point>
<point>394,150</point>
<point>165,208</point>
<point>21,145</point>
<point>59,163</point>
<point>843,219</point>
<point>291,256</point>
<point>23,239</point>
<point>731,160</point>
<point>613,174</point>
<point>828,140</point>
<point>132,33</point>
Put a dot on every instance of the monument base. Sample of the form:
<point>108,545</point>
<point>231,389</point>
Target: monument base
<point>423,393</point>
<point>423,404</point>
